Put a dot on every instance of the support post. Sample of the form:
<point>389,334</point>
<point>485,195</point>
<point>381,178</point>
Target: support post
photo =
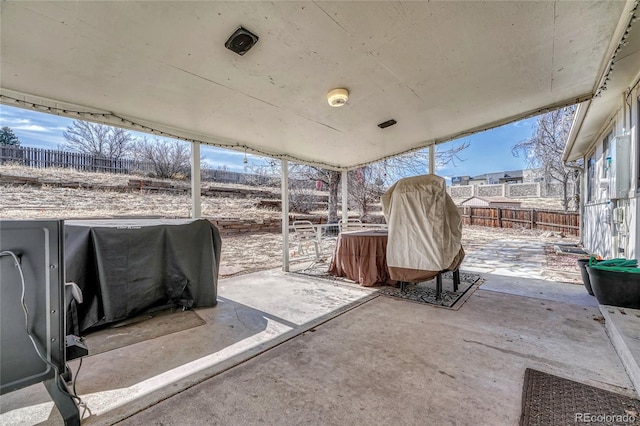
<point>583,197</point>
<point>432,159</point>
<point>345,195</point>
<point>533,219</point>
<point>196,205</point>
<point>284,190</point>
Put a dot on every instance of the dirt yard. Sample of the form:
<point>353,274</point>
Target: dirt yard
<point>249,253</point>
<point>240,254</point>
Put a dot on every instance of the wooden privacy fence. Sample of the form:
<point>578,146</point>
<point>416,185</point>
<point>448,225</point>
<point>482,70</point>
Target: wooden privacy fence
<point>500,217</point>
<point>44,158</point>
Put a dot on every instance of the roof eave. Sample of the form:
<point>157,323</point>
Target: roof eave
<point>571,151</point>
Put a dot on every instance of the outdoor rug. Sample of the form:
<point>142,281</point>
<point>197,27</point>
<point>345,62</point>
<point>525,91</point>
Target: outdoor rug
<point>138,329</point>
<point>425,292</point>
<point>553,400</point>
<point>321,270</point>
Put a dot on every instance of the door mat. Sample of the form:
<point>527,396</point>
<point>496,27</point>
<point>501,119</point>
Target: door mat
<point>138,329</point>
<point>425,292</point>
<point>553,400</point>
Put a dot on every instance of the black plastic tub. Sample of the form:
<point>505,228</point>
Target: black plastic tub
<point>615,288</point>
<point>582,263</point>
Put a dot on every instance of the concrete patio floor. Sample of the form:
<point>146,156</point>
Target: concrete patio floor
<point>289,349</point>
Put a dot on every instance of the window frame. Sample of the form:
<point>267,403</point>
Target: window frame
<point>606,152</point>
<point>591,176</point>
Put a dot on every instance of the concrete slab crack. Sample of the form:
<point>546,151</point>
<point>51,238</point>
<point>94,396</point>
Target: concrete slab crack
<point>519,354</point>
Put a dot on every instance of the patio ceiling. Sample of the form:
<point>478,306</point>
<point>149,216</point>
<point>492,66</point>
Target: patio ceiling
<point>594,116</point>
<point>441,69</point>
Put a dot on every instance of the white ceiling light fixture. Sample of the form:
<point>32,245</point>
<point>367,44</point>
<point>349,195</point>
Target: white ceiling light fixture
<point>338,97</point>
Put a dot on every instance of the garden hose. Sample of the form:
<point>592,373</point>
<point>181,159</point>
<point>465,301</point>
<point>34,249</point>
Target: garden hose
<point>615,265</point>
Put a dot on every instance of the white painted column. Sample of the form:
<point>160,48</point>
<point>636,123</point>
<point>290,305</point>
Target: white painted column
<point>345,195</point>
<point>196,205</point>
<point>432,159</point>
<point>284,190</point>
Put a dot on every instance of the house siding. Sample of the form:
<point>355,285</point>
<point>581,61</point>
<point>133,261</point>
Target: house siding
<point>599,235</point>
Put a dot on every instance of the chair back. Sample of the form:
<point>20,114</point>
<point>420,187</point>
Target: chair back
<point>304,230</point>
<point>350,225</point>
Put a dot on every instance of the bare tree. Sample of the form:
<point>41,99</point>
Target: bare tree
<point>365,188</point>
<point>300,173</point>
<point>98,140</point>
<point>544,150</point>
<point>367,183</point>
<point>170,158</point>
<point>415,163</point>
<point>329,178</point>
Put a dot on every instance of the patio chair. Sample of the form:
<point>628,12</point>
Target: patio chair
<point>305,235</point>
<point>350,225</point>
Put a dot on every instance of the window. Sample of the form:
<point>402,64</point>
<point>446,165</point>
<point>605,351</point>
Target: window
<point>606,155</point>
<point>591,176</point>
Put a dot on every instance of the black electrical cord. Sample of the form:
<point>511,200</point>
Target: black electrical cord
<point>85,407</point>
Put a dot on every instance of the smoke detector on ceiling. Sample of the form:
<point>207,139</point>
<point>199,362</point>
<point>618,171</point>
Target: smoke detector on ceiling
<point>338,97</point>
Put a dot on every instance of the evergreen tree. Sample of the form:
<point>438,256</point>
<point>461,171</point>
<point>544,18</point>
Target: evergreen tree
<point>7,137</point>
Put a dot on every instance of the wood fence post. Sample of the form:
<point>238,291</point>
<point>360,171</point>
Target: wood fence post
<point>499,217</point>
<point>533,220</point>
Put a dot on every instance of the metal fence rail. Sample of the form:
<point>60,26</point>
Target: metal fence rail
<point>40,158</point>
<point>44,158</point>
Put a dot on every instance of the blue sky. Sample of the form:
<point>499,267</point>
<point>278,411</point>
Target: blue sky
<point>489,151</point>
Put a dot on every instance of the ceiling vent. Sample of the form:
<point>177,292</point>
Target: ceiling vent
<point>241,41</point>
<point>387,123</point>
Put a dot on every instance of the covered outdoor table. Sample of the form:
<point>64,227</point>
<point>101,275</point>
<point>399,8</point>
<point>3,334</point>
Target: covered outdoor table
<point>361,257</point>
<point>124,267</point>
